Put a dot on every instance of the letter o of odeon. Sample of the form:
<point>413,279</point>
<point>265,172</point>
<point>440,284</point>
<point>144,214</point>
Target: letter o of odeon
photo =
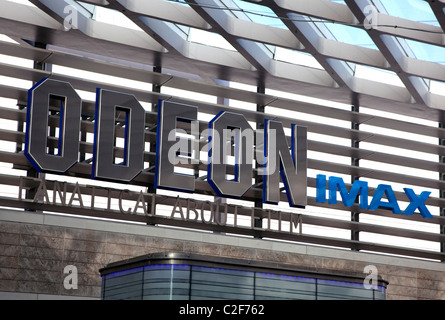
<point>36,142</point>
<point>217,163</point>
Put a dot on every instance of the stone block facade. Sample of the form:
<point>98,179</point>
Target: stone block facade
<point>35,248</point>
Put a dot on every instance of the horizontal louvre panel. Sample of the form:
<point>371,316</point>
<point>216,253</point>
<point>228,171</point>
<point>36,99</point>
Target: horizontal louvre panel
<point>417,145</point>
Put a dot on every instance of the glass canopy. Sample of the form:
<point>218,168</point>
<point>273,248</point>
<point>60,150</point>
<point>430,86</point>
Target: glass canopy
<point>400,40</point>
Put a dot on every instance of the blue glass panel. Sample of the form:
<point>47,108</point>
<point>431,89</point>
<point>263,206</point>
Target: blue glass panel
<point>341,290</point>
<point>416,10</point>
<point>217,283</point>
<point>427,52</point>
<point>259,14</point>
<point>124,285</point>
<point>166,282</point>
<point>170,282</point>
<point>280,287</point>
<point>350,35</point>
<point>380,294</point>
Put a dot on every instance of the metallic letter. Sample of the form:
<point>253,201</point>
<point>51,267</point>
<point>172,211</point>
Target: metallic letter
<point>348,198</point>
<point>168,115</point>
<point>377,202</point>
<point>293,168</point>
<point>417,202</point>
<point>103,160</point>
<point>225,125</point>
<point>321,188</point>
<point>37,126</point>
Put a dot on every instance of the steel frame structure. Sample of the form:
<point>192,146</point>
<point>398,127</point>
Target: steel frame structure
<point>250,63</point>
<point>158,52</point>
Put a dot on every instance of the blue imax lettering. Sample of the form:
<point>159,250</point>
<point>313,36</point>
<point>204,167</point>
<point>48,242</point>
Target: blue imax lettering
<point>360,189</point>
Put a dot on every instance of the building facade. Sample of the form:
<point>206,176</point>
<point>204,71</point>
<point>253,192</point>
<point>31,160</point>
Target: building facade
<point>276,139</point>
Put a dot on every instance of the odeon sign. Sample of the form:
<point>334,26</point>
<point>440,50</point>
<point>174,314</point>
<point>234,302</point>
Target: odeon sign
<point>225,128</point>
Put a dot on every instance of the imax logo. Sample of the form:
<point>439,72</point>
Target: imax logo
<point>360,189</point>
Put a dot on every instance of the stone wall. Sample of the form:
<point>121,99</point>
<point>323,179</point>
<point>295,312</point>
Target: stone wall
<point>35,248</point>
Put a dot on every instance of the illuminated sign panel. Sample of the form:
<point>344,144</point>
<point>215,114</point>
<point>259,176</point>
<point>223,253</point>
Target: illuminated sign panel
<point>230,143</point>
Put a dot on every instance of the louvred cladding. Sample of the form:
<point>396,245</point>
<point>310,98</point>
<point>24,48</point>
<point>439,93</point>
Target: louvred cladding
<point>364,77</point>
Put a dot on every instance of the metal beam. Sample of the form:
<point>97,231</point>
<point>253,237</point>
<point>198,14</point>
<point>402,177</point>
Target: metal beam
<point>390,47</point>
